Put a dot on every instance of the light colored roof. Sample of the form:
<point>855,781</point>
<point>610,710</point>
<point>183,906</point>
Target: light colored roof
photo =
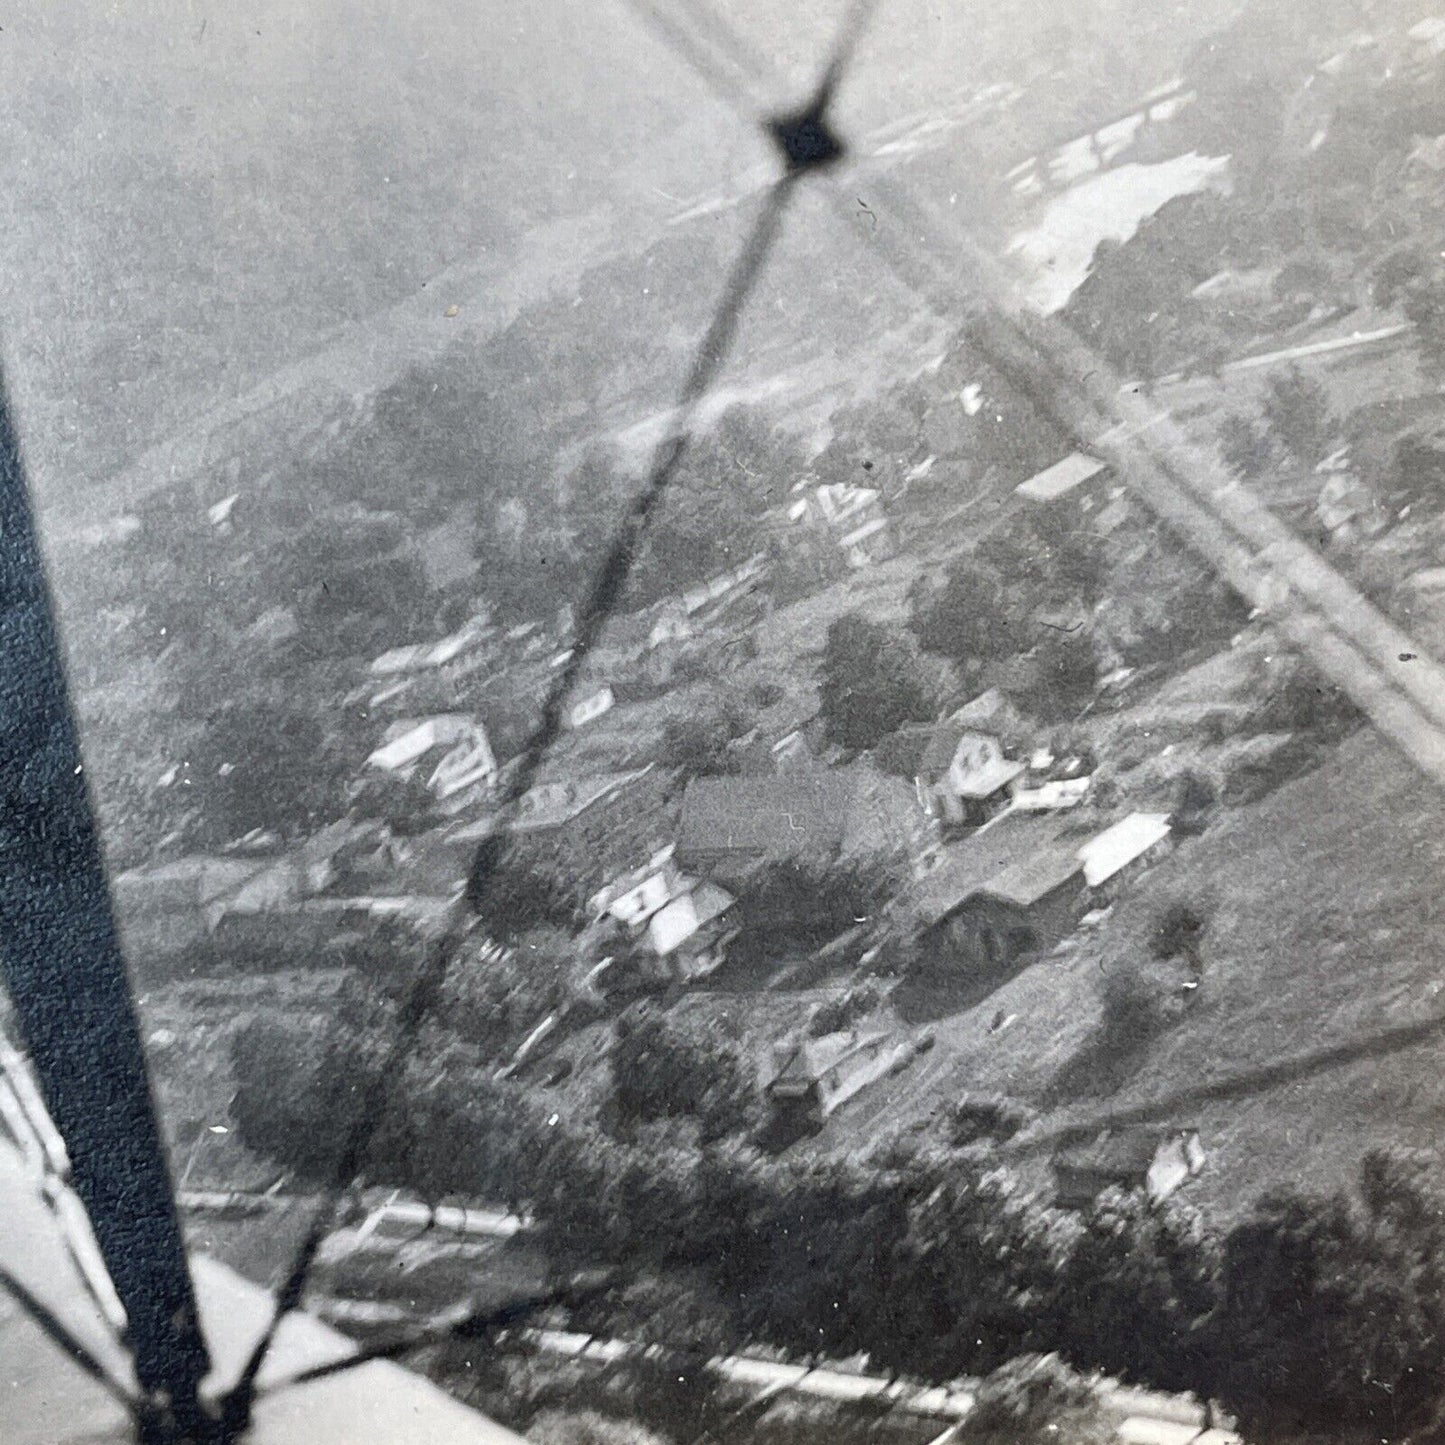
<point>1062,477</point>
<point>1057,794</point>
<point>624,883</point>
<point>1117,847</point>
<point>995,774</point>
<point>814,1057</point>
<point>221,512</point>
<point>862,534</point>
<point>421,655</point>
<point>398,659</point>
<point>592,706</point>
<point>681,917</point>
<point>469,762</point>
<point>413,741</point>
<point>1229,282</point>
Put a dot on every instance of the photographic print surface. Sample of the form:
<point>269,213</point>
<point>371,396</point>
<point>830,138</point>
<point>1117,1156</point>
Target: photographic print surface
<point>722,722</point>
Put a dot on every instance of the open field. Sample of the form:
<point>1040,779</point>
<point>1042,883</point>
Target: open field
<point>1324,907</point>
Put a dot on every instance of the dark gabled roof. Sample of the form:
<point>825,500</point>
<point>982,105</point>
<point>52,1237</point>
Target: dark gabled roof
<point>779,816</point>
<point>972,865</point>
<point>1031,879</point>
<point>938,753</point>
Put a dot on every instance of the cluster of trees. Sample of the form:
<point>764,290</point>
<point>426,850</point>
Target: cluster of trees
<point>804,903</point>
<point>1297,415</point>
<point>1135,306</point>
<point>1413,278</point>
<point>1319,176</point>
<point>665,1066</point>
<point>699,741</point>
<point>834,1015</point>
<point>870,683</point>
<point>1313,1312</point>
<point>1030,591</point>
<point>518,885</point>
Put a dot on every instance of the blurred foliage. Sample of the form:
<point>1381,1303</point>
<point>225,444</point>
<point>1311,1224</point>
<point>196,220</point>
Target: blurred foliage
<point>871,682</point>
<point>664,1067</point>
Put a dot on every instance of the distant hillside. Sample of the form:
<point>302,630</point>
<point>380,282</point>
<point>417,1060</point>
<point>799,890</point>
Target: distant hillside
<point>194,199</point>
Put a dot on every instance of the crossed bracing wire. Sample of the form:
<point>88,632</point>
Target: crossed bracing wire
<point>1065,380</point>
<point>1048,373</point>
<point>1051,376</point>
<point>806,142</point>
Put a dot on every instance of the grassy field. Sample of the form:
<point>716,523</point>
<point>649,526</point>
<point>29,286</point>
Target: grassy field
<point>1324,902</point>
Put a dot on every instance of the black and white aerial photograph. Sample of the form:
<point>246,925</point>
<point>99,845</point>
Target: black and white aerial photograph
<point>722,722</point>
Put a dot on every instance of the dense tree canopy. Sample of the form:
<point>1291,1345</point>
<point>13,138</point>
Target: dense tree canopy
<point>870,683</point>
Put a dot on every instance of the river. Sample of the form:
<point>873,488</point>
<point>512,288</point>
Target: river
<point>1057,249</point>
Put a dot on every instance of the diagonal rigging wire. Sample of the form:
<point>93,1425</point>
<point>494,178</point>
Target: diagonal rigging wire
<point>737,94</point>
<point>60,1335</point>
<point>24,1116</point>
<point>601,603</point>
<point>422,996</point>
<point>1071,384</point>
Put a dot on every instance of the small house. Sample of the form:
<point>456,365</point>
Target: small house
<point>163,908</point>
<point>591,707</point>
<point>1026,906</point>
<point>690,932</point>
<point>791,751</point>
<point>672,927</point>
<point>117,529</point>
<point>958,920</point>
<point>870,543</point>
<point>1113,854</point>
<point>1078,482</point>
<point>814,1077</point>
<point>222,515</point>
<point>980,778</point>
<point>423,656</point>
<point>636,895</point>
<point>961,776</point>
<point>1153,1162</point>
<point>852,517</point>
<point>719,591</point>
<point>837,506</point>
<point>454,746</point>
<point>672,625</point>
<point>1052,795</point>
